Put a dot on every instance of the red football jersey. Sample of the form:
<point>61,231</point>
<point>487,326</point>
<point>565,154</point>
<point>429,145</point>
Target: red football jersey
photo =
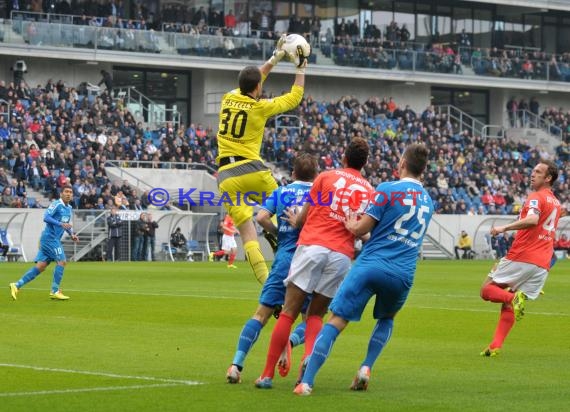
<point>229,227</point>
<point>333,195</point>
<point>536,245</point>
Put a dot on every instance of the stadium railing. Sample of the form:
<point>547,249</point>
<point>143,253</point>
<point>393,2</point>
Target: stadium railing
<point>253,48</point>
<point>527,119</point>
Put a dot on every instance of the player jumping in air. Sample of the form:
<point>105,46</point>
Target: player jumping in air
<point>243,115</point>
<point>273,292</point>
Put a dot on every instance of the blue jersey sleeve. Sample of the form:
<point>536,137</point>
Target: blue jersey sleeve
<point>377,207</point>
<point>50,215</point>
<point>270,204</point>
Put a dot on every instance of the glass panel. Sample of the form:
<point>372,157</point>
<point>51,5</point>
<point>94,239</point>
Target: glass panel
<point>440,97</point>
<point>482,28</point>
<point>564,36</point>
<point>128,78</point>
<point>180,83</point>
<point>235,16</point>
<point>462,21</point>
<point>549,40</point>
<point>347,14</point>
<point>161,85</point>
<point>326,11</point>
<point>532,31</point>
<point>181,106</point>
<point>404,15</point>
<point>443,25</point>
<point>261,17</point>
<point>282,13</point>
<point>424,23</point>
<point>472,102</point>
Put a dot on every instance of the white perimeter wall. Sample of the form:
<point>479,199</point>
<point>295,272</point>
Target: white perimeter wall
<point>475,226</point>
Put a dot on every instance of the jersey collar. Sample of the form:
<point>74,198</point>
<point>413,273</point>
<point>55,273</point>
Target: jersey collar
<point>412,180</point>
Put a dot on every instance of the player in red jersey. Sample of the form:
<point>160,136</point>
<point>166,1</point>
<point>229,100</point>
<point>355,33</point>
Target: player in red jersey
<point>229,245</point>
<point>521,274</point>
<point>325,249</point>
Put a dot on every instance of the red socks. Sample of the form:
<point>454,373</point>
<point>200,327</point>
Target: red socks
<point>279,339</point>
<point>314,326</point>
<point>232,259</point>
<point>506,322</point>
<point>219,253</point>
<point>495,293</point>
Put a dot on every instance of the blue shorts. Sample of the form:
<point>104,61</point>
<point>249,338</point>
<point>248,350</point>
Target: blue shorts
<point>273,292</point>
<point>361,283</point>
<point>50,252</point>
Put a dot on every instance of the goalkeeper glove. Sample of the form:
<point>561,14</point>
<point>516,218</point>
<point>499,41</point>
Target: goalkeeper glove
<point>271,239</point>
<point>302,65</point>
<point>277,56</point>
<point>278,53</point>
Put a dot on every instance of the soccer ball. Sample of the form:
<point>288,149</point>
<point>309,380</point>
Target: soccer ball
<point>296,48</point>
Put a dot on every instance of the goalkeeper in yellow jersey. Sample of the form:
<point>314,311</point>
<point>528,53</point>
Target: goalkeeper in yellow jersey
<point>242,122</point>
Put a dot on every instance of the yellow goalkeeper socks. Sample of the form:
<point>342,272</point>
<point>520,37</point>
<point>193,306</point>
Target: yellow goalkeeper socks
<point>256,260</point>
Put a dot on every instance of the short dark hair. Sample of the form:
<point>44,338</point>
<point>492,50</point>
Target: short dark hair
<point>67,187</point>
<point>305,167</point>
<point>552,170</point>
<point>416,156</point>
<point>248,78</point>
<point>356,154</point>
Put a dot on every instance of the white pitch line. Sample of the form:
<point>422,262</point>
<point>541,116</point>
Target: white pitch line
<point>118,292</point>
<point>167,294</point>
<point>80,390</point>
<point>105,374</point>
<point>529,313</point>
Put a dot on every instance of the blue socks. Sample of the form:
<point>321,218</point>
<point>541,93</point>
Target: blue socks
<point>57,276</point>
<point>321,351</point>
<point>297,337</point>
<point>247,338</point>
<point>28,277</point>
<point>326,338</point>
<point>380,337</point>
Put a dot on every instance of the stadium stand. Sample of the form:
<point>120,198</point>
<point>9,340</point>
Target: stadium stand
<point>207,33</point>
<point>57,135</point>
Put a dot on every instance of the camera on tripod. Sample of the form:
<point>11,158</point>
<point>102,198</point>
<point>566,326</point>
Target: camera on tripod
<point>19,68</point>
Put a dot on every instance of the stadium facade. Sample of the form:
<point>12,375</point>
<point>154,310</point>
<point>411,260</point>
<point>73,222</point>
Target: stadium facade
<point>167,66</point>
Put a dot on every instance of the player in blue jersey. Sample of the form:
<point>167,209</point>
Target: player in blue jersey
<point>273,292</point>
<point>58,219</point>
<point>397,220</point>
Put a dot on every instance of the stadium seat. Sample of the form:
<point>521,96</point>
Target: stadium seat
<point>14,253</point>
<point>194,248</point>
<point>167,251</point>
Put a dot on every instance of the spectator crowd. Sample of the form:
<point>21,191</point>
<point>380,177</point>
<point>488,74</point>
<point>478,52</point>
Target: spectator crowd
<point>52,135</point>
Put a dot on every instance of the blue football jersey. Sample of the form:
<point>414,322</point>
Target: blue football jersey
<point>403,210</point>
<point>282,198</point>
<point>60,212</point>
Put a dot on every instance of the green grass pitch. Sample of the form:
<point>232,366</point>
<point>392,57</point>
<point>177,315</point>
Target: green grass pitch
<point>160,336</point>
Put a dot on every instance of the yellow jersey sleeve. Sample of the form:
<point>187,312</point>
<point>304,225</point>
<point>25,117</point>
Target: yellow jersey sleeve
<point>242,121</point>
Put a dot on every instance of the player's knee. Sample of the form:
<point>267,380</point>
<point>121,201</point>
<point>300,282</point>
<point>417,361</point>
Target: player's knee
<point>263,314</point>
<point>62,263</point>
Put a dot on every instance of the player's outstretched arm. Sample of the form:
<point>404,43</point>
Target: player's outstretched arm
<point>278,54</point>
